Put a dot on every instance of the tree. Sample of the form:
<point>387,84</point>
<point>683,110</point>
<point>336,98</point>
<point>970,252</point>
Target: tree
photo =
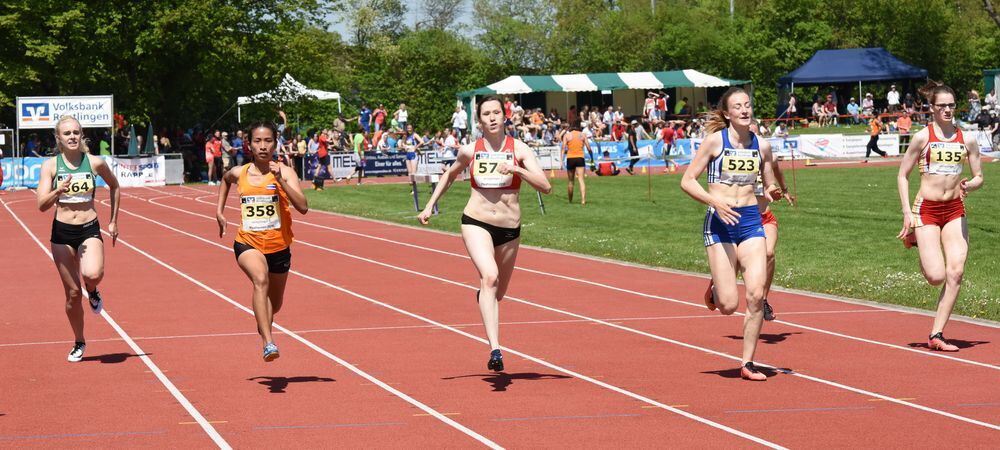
<point>369,19</point>
<point>440,14</point>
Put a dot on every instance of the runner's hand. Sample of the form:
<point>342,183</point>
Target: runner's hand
<point>964,186</point>
<point>726,213</point>
<point>773,193</point>
<point>507,169</point>
<point>64,186</point>
<point>222,224</point>
<point>907,226</point>
<point>789,198</point>
<point>424,217</point>
<point>275,168</point>
<point>113,231</point>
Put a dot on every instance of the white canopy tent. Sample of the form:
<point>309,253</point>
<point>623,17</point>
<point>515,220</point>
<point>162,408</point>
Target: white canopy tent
<point>289,90</point>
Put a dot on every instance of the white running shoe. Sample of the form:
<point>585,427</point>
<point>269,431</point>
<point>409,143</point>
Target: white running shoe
<point>76,355</point>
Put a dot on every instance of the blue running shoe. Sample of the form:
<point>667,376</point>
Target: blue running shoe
<point>496,361</point>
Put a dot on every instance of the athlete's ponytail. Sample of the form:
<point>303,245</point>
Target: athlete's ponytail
<point>68,118</point>
<point>931,90</point>
<point>715,120</point>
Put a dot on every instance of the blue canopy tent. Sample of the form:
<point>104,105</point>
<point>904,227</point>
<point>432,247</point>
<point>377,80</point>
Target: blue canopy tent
<point>851,65</point>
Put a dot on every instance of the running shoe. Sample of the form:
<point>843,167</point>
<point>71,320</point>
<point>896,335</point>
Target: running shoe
<point>768,311</point>
<point>938,342</point>
<point>750,372</point>
<point>496,361</point>
<point>710,296</point>
<point>96,302</point>
<point>271,352</point>
<point>76,355</point>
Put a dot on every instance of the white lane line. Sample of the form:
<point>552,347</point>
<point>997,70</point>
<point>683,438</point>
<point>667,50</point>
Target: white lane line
<point>637,293</point>
<point>476,338</point>
<point>602,322</point>
<point>192,411</point>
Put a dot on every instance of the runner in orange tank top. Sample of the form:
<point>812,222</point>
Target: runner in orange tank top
<point>573,144</point>
<point>937,219</point>
<point>266,189</point>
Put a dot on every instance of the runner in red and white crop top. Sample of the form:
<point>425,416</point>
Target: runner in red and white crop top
<point>485,168</point>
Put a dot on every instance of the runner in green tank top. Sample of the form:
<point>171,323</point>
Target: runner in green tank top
<point>69,182</point>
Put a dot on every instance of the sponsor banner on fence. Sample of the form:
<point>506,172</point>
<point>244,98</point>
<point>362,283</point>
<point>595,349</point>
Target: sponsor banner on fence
<point>855,145</point>
<point>983,138</point>
<point>131,172</point>
<point>138,172</point>
<point>93,111</point>
<point>384,164</point>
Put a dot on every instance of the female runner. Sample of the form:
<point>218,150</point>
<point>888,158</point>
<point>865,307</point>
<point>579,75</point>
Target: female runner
<point>734,235</point>
<point>937,219</point>
<point>69,181</point>
<point>262,245</point>
<point>491,221</point>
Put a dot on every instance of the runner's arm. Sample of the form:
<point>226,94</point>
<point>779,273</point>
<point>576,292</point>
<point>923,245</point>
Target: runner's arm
<point>101,168</point>
<point>289,181</point>
<point>976,165</point>
<point>231,176</point>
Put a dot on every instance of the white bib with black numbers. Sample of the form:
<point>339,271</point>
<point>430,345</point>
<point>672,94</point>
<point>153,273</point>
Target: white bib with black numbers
<point>739,166</point>
<point>260,212</point>
<point>486,169</point>
<point>945,158</point>
<point>81,187</point>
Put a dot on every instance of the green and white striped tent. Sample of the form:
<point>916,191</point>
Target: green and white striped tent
<point>626,87</point>
<point>523,84</point>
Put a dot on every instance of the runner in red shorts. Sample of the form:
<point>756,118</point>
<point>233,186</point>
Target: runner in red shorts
<point>937,219</point>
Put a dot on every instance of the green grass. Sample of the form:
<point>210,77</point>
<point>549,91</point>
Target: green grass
<point>839,240</point>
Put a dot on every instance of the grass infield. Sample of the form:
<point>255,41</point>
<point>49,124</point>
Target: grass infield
<point>840,239</point>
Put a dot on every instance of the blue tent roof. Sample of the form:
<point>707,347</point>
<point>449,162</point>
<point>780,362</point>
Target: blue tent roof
<point>852,65</point>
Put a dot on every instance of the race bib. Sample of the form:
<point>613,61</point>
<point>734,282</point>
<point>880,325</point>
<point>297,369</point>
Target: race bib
<point>486,168</point>
<point>80,187</point>
<point>260,212</point>
<point>741,163</point>
<point>946,158</point>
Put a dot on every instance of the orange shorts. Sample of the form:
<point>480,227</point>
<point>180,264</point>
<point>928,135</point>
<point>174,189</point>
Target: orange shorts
<point>768,218</point>
<point>930,212</point>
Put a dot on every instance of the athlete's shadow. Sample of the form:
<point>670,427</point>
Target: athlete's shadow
<point>277,385</point>
<point>501,380</point>
<point>735,373</point>
<point>768,338</point>
<point>956,342</point>
<point>112,358</point>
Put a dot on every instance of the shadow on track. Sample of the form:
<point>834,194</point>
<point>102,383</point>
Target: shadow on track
<point>501,380</point>
<point>277,385</point>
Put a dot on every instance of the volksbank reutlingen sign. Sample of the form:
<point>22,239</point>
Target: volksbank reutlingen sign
<point>93,111</point>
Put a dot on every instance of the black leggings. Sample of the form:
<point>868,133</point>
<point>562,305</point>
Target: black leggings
<point>633,154</point>
<point>873,147</point>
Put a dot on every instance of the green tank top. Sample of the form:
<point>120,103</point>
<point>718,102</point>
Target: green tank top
<point>83,184</point>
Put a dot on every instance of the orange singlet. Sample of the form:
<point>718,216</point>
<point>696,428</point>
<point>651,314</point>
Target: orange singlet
<point>266,221</point>
<point>574,148</point>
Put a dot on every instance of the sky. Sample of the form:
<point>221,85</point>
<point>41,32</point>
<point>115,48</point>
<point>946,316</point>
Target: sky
<point>414,14</point>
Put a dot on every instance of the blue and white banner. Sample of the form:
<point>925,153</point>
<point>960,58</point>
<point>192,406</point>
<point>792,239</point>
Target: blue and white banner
<point>92,111</point>
<point>131,172</point>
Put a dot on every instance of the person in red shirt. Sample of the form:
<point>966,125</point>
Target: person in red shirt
<point>668,136</point>
<point>213,148</point>
<point>618,131</point>
<point>831,110</point>
<point>323,166</point>
<point>379,117</point>
<point>606,167</point>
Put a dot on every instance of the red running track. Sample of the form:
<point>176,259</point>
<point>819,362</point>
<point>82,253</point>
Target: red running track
<point>600,354</point>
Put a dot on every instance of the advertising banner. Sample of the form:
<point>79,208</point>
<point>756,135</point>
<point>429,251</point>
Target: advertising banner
<point>93,111</point>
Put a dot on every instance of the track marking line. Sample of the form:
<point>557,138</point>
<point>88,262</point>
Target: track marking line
<point>455,330</point>
<point>443,414</point>
<point>571,314</point>
<point>192,411</point>
<point>482,439</point>
<point>614,288</point>
<point>882,400</point>
<point>210,421</point>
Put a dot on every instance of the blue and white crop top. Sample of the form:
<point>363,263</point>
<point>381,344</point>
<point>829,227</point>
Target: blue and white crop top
<point>739,166</point>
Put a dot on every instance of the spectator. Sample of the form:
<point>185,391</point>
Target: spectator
<point>792,108</point>
<point>908,103</point>
<point>213,157</point>
<point>458,122</point>
<point>609,119</point>
<point>830,110</point>
<point>228,153</point>
<point>680,108</point>
<point>991,99</point>
<point>892,98</point>
<point>633,147</point>
<point>819,112</point>
<point>402,116</point>
<point>339,124</point>
<point>237,144</point>
<point>781,131</point>
<point>649,107</point>
<point>105,145</point>
<point>974,106</point>
<point>450,145</point>
<point>573,117</point>
<point>854,110</point>
<point>867,106</point>
<point>619,115</point>
<point>322,159</point>
<point>606,167</point>
<point>667,134</point>
<point>365,118</point>
<point>661,105</point>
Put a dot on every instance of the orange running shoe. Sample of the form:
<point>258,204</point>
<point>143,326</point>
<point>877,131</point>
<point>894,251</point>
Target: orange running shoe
<point>937,342</point>
<point>710,296</point>
<point>750,372</point>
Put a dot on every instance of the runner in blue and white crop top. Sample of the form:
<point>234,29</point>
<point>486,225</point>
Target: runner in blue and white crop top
<point>739,166</point>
